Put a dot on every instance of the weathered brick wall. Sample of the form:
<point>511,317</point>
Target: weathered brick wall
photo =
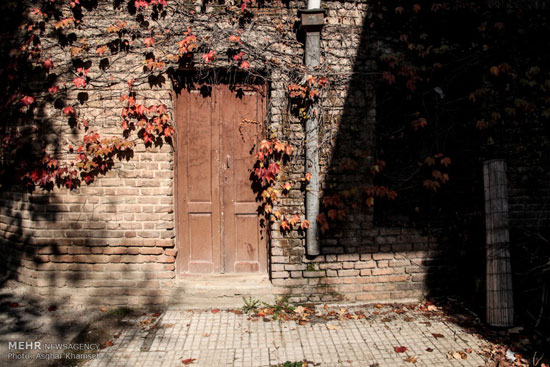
<point>113,241</point>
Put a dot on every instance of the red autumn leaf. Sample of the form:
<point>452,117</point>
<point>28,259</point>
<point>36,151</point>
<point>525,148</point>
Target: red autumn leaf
<point>295,219</point>
<point>245,65</point>
<point>27,100</point>
<point>14,305</point>
<point>47,64</point>
<point>388,77</point>
<point>288,150</point>
<point>238,56</point>
<point>188,361</point>
<point>79,82</point>
<point>235,39</point>
<point>108,343</point>
<point>69,110</point>
<point>141,109</point>
<point>168,131</point>
<point>210,56</point>
<point>429,161</point>
<point>400,349</point>
<point>156,314</point>
<point>149,41</point>
<point>446,161</point>
<point>215,310</point>
<point>53,89</point>
<point>437,336</point>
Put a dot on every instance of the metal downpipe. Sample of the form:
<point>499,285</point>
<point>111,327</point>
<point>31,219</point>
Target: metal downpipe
<point>312,23</point>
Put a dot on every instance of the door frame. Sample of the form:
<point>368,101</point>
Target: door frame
<point>190,79</point>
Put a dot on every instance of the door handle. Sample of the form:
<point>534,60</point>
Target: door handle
<point>227,161</point>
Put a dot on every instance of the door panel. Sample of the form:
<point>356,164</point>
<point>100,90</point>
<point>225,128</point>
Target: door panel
<point>218,226</point>
<point>198,188</point>
<point>244,245</point>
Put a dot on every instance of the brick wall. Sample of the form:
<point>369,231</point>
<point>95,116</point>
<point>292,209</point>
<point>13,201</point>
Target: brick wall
<point>113,241</point>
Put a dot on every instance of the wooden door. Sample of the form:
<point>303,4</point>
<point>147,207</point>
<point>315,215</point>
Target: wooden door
<point>218,226</point>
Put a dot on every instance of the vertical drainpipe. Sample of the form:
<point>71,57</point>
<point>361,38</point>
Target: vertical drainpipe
<point>312,23</point>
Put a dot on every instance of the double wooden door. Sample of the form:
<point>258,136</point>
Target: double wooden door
<point>218,227</point>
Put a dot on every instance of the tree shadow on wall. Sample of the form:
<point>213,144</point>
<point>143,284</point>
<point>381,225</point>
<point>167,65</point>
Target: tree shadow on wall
<point>422,254</point>
<point>39,230</point>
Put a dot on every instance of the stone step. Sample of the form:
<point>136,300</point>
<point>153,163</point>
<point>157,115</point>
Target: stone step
<point>220,290</point>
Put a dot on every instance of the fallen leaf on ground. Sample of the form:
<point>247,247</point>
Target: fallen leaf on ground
<point>410,359</point>
<point>332,327</point>
<point>432,308</point>
<point>14,304</point>
<point>52,308</point>
<point>215,310</point>
<point>156,314</point>
<point>189,361</point>
<point>378,305</point>
<point>429,350</point>
<point>437,336</point>
<point>400,349</point>
<point>108,343</point>
<point>457,355</point>
<point>103,309</point>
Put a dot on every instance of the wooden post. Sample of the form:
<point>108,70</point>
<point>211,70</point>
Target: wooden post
<point>500,302</point>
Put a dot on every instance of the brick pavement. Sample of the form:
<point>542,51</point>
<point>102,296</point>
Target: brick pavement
<point>228,339</point>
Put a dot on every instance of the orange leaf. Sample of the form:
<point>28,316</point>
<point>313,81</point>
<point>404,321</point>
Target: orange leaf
<point>285,226</point>
<point>149,41</point>
<point>304,224</point>
<point>100,50</point>
<point>370,201</point>
<point>429,161</point>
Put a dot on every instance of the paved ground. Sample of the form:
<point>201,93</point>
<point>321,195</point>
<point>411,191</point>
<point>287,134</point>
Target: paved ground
<point>359,336</point>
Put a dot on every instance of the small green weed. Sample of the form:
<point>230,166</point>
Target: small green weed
<point>250,305</point>
<point>280,305</point>
<point>291,364</point>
